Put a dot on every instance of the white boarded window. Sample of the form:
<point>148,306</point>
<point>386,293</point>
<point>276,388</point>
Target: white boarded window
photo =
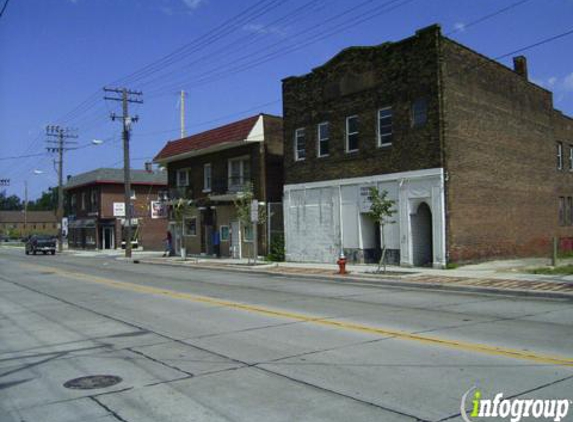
<point>323,139</point>
<point>385,126</point>
<point>299,144</point>
<point>352,133</point>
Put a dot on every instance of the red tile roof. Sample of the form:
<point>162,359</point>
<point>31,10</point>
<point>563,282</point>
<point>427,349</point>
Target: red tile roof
<point>233,132</point>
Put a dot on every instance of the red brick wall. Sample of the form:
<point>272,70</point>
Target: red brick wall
<point>499,136</point>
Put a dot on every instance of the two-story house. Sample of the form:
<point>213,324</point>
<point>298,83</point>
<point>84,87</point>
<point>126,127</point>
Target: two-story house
<point>211,169</point>
<point>95,209</point>
<point>479,162</point>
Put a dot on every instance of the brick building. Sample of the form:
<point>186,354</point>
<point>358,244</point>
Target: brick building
<point>211,169</point>
<point>479,162</point>
<point>96,211</point>
<point>19,224</point>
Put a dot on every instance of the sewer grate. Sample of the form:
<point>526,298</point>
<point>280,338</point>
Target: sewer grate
<point>92,382</point>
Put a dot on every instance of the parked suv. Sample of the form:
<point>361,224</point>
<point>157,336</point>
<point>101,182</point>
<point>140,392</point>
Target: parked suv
<point>39,243</point>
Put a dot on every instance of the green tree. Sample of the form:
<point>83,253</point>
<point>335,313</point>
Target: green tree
<point>381,211</point>
<point>181,209</point>
<point>10,203</point>
<point>48,201</point>
<point>243,208</point>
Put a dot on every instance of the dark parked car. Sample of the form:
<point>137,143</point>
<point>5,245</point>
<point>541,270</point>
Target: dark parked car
<point>39,243</point>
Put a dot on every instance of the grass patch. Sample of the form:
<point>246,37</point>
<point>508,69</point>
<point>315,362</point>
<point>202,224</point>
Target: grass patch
<point>452,266</point>
<point>564,270</point>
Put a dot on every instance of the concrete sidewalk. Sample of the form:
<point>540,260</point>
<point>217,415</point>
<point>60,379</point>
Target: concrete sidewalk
<point>502,277</point>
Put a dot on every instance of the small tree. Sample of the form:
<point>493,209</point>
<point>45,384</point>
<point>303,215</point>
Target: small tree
<point>381,211</point>
<point>181,208</point>
<point>243,208</point>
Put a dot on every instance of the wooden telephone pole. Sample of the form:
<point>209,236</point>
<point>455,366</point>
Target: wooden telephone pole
<point>59,136</point>
<point>126,97</point>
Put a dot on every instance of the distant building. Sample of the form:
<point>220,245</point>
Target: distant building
<point>96,211</point>
<point>211,169</point>
<point>479,162</point>
<point>21,223</point>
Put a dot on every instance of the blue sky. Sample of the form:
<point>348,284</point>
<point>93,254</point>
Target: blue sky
<point>229,56</point>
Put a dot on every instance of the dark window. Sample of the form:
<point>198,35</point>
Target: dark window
<point>323,138</point>
<point>559,155</point>
<point>191,226</point>
<point>562,211</point>
<point>385,126</point>
<point>569,211</point>
<point>352,133</point>
<point>299,144</point>
<point>419,112</point>
<point>570,157</point>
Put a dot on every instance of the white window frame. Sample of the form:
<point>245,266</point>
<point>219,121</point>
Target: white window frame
<point>355,116</point>
<point>178,181</point>
<point>186,234</point>
<point>379,127</point>
<point>207,177</point>
<point>570,157</point>
<point>296,149</point>
<point>242,177</point>
<point>321,140</point>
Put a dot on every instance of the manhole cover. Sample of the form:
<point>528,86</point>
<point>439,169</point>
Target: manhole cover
<point>91,382</point>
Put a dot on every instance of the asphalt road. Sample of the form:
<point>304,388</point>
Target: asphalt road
<point>200,345</point>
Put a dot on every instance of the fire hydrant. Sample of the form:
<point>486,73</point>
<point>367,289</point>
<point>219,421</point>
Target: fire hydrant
<point>341,264</point>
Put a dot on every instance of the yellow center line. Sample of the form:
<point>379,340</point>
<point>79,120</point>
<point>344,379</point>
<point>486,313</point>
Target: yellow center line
<point>349,326</point>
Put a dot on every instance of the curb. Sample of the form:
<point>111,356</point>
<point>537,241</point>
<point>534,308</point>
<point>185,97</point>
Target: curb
<point>398,281</point>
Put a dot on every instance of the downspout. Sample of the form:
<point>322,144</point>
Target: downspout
<point>442,134</point>
<point>341,231</point>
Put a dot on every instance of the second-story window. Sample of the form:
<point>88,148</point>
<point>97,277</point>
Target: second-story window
<point>132,194</point>
<point>323,138</point>
<point>73,203</point>
<point>93,200</point>
<point>183,177</point>
<point>570,157</point>
<point>83,201</point>
<point>352,133</point>
<point>299,144</point>
<point>239,173</point>
<point>419,112</point>
<point>559,155</point>
<point>385,126</point>
<point>207,177</point>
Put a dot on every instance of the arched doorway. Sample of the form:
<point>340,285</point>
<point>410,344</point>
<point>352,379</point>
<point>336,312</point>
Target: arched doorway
<point>422,241</point>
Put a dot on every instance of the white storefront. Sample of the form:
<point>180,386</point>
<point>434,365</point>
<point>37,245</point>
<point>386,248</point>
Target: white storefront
<point>321,218</point>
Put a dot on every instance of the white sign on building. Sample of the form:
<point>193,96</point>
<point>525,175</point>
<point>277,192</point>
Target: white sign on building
<point>119,209</point>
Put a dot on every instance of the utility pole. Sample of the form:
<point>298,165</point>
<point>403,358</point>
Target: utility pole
<point>25,207</point>
<point>59,136</point>
<point>182,113</point>
<point>126,96</point>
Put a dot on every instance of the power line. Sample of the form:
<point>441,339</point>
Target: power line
<point>537,44</point>
<point>487,17</point>
<point>4,8</point>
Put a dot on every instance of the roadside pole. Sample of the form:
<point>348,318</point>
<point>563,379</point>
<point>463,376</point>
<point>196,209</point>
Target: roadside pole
<point>255,222</point>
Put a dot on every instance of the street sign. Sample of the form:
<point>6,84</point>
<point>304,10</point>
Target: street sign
<point>119,209</point>
<point>255,211</point>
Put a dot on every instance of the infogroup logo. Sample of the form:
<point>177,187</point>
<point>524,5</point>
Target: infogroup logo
<point>514,409</point>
